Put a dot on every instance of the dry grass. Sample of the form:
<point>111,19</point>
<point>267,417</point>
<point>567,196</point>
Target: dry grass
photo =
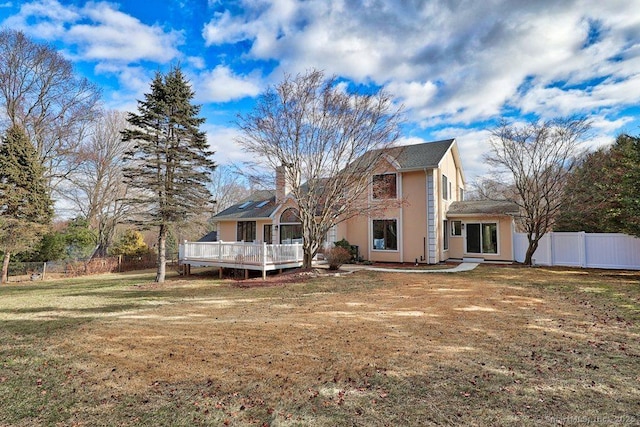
<point>495,346</point>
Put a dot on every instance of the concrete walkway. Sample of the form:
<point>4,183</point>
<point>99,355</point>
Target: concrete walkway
<point>464,266</point>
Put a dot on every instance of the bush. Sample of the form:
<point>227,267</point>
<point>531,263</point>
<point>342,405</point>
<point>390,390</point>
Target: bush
<point>353,250</point>
<point>337,256</point>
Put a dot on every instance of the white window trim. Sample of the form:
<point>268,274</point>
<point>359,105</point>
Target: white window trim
<point>446,243</point>
<point>399,242</point>
<point>464,233</point>
<point>444,187</point>
<point>451,221</point>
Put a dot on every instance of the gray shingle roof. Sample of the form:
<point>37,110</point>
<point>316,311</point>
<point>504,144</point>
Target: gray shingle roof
<point>407,157</point>
<point>418,156</point>
<point>426,155</point>
<point>483,207</point>
<point>211,236</point>
<point>259,204</point>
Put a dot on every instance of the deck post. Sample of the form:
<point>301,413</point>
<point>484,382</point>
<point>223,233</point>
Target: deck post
<point>220,250</point>
<point>220,273</point>
<point>264,260</point>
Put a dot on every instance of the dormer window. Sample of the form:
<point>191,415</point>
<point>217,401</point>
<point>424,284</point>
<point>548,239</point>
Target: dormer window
<point>385,186</point>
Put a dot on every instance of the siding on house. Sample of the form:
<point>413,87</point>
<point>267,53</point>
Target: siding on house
<point>414,222</point>
<point>419,217</point>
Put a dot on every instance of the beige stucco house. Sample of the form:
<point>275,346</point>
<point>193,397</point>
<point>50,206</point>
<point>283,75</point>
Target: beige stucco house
<point>422,215</point>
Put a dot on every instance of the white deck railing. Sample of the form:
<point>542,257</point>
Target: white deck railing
<point>251,256</point>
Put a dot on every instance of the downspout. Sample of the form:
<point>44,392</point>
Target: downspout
<point>426,204</point>
<point>401,225</point>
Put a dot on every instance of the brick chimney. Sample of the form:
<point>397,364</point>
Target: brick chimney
<point>282,184</point>
<point>284,179</point>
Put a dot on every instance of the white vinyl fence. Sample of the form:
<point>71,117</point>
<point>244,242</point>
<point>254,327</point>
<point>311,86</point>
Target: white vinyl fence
<point>580,249</point>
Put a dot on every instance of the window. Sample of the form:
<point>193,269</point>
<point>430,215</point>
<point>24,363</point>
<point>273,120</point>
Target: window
<point>246,231</point>
<point>291,233</point>
<point>462,194</point>
<point>445,187</point>
<point>385,234</point>
<point>384,186</point>
<point>244,205</point>
<point>290,215</point>
<point>482,238</point>
<point>290,227</point>
<point>445,235</point>
<point>456,228</point>
<point>268,236</point>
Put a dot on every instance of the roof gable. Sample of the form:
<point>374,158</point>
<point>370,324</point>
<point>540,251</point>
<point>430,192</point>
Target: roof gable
<point>420,156</point>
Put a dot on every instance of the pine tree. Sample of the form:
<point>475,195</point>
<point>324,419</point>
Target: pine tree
<point>602,194</point>
<point>169,164</point>
<point>630,184</point>
<point>25,205</point>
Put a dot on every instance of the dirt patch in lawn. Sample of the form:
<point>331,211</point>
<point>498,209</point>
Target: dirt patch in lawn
<point>495,346</point>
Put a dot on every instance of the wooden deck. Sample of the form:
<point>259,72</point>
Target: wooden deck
<point>240,255</point>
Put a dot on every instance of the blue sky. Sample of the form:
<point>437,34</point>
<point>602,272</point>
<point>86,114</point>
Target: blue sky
<point>456,65</point>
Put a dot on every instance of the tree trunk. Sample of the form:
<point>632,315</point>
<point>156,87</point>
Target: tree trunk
<point>307,260</point>
<point>5,267</point>
<point>162,256</point>
<point>309,251</point>
<point>531,249</point>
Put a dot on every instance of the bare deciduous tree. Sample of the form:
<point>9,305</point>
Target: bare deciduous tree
<point>97,190</point>
<point>319,133</point>
<point>535,159</point>
<point>40,92</point>
<point>226,188</point>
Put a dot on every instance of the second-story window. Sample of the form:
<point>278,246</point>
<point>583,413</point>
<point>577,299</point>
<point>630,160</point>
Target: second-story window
<point>384,186</point>
<point>445,187</point>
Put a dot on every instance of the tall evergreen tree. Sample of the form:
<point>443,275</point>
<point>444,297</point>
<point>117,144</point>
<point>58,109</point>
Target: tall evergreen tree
<point>25,205</point>
<point>603,193</point>
<point>630,194</point>
<point>169,164</point>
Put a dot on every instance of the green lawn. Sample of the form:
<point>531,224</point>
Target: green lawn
<point>494,346</point>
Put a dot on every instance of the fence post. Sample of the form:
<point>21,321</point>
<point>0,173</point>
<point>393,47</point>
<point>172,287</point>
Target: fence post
<point>583,249</point>
<point>44,269</point>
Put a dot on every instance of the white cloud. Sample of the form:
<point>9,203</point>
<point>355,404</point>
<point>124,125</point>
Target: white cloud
<point>133,81</point>
<point>113,35</point>
<point>473,144</point>
<point>450,62</point>
<point>221,85</point>
<point>97,32</point>
<point>196,62</point>
<point>44,19</point>
<point>224,28</point>
<point>221,139</point>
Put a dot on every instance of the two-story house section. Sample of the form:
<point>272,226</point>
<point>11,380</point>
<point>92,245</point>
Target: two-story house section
<point>423,180</point>
<point>418,213</point>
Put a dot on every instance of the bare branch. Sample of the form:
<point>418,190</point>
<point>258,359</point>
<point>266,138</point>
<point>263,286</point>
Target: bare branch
<point>328,140</point>
<point>537,159</point>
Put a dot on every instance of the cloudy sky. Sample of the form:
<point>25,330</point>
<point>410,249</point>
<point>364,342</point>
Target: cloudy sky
<point>456,65</point>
